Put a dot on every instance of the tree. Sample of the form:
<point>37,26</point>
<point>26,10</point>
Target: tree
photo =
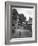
<point>30,20</point>
<point>14,14</point>
<point>21,18</point>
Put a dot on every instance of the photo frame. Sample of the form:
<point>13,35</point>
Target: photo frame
<point>20,22</point>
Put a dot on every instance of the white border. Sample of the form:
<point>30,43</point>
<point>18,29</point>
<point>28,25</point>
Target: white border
<point>33,33</point>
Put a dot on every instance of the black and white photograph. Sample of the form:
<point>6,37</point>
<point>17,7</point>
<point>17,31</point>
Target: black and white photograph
<point>20,22</point>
